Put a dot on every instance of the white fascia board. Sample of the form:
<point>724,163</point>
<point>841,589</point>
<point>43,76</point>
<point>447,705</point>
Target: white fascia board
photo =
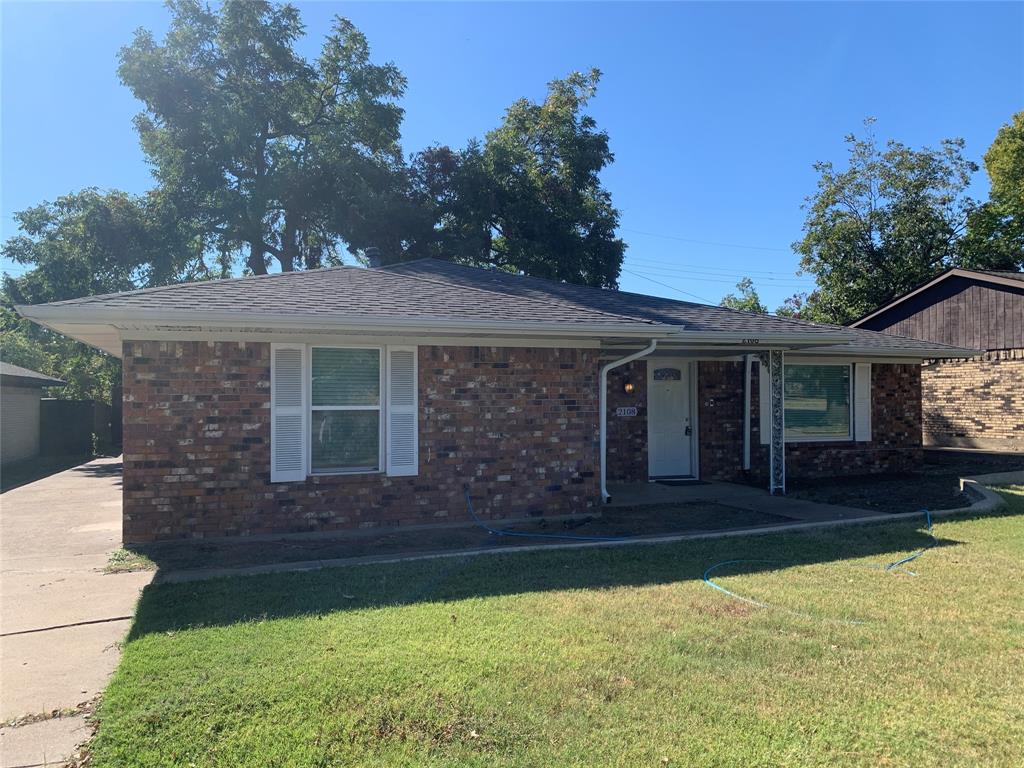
<point>341,338</point>
<point>238,320</point>
<point>757,341</point>
<point>66,316</point>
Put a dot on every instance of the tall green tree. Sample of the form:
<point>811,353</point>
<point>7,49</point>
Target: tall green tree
<point>92,242</point>
<point>83,244</point>
<point>745,298</point>
<point>995,230</point>
<point>889,220</point>
<point>273,155</point>
<point>529,197</point>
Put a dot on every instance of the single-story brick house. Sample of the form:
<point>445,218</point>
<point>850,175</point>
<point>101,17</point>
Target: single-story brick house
<point>968,402</point>
<point>350,398</point>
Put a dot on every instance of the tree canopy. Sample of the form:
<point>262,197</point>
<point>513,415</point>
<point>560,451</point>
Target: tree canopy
<point>88,243</point>
<point>745,299</point>
<point>888,221</point>
<point>995,229</point>
<point>267,151</point>
<point>528,198</point>
<point>263,158</point>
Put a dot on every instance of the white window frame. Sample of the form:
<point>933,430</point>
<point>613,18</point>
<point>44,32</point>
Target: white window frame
<point>848,437</point>
<point>381,409</point>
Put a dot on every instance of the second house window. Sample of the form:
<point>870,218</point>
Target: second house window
<point>345,423</point>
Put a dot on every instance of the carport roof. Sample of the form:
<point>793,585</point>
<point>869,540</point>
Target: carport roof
<point>15,375</point>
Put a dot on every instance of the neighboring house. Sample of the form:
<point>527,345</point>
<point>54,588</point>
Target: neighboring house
<point>353,398</point>
<point>20,393</point>
<point>969,402</point>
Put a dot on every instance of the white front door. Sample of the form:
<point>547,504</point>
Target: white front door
<point>669,421</point>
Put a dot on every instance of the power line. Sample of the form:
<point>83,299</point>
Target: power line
<point>704,267</point>
<point>703,242</point>
<point>670,287</point>
<point>713,277</point>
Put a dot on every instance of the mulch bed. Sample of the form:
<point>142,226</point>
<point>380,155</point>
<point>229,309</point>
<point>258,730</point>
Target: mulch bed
<point>935,486</point>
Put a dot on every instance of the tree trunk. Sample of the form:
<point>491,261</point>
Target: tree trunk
<point>289,244</point>
<point>256,262</point>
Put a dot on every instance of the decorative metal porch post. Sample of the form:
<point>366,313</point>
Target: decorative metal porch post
<point>773,362</point>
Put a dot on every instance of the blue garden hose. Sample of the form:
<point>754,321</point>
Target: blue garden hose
<point>896,565</point>
<point>524,535</point>
<point>899,563</point>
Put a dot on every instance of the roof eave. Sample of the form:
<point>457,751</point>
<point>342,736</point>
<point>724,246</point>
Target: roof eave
<point>922,353</point>
<point>64,315</point>
<point>48,314</point>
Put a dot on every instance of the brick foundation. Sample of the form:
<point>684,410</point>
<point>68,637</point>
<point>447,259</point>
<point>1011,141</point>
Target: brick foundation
<point>519,424</point>
<point>976,402</point>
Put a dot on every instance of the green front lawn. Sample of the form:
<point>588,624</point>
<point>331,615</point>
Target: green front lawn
<point>614,656</point>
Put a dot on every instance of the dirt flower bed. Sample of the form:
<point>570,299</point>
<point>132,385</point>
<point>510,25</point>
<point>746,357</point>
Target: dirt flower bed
<point>936,485</point>
<point>612,523</point>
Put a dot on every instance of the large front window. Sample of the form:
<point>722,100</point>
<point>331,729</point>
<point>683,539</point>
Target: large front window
<point>817,402</point>
<point>345,423</point>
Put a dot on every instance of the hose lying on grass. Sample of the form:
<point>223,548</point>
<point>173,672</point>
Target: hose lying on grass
<point>896,565</point>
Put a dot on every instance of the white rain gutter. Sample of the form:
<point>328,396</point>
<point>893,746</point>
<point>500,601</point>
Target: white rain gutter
<point>748,364</point>
<point>603,409</point>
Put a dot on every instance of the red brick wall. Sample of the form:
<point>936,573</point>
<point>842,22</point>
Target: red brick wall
<point>720,421</point>
<point>895,443</point>
<point>627,435</point>
<point>519,424</point>
<point>976,402</point>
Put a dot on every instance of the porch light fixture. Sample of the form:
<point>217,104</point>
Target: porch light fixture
<point>628,387</point>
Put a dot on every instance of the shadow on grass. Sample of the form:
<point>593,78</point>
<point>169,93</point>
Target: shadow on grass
<point>224,601</point>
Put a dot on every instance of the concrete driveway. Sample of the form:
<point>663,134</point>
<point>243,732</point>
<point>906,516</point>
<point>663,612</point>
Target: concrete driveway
<point>61,618</point>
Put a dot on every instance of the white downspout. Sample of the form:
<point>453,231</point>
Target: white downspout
<point>603,408</point>
<point>748,361</point>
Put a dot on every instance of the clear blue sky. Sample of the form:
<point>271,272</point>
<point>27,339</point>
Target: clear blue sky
<point>716,111</point>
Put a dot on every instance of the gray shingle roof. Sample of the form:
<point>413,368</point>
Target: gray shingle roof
<point>373,293</point>
<point>430,289</point>
<point>693,316</point>
<point>15,374</point>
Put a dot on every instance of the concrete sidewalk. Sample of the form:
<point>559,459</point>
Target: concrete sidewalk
<point>61,618</point>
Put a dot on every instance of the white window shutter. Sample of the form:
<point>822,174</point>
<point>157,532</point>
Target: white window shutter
<point>402,427</point>
<point>862,402</point>
<point>287,412</point>
<point>764,410</point>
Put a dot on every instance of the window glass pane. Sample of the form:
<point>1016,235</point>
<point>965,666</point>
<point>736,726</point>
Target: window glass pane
<point>817,400</point>
<point>344,440</point>
<point>668,374</point>
<point>346,376</point>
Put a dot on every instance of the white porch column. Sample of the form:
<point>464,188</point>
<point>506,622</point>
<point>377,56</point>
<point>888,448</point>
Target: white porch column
<point>773,362</point>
